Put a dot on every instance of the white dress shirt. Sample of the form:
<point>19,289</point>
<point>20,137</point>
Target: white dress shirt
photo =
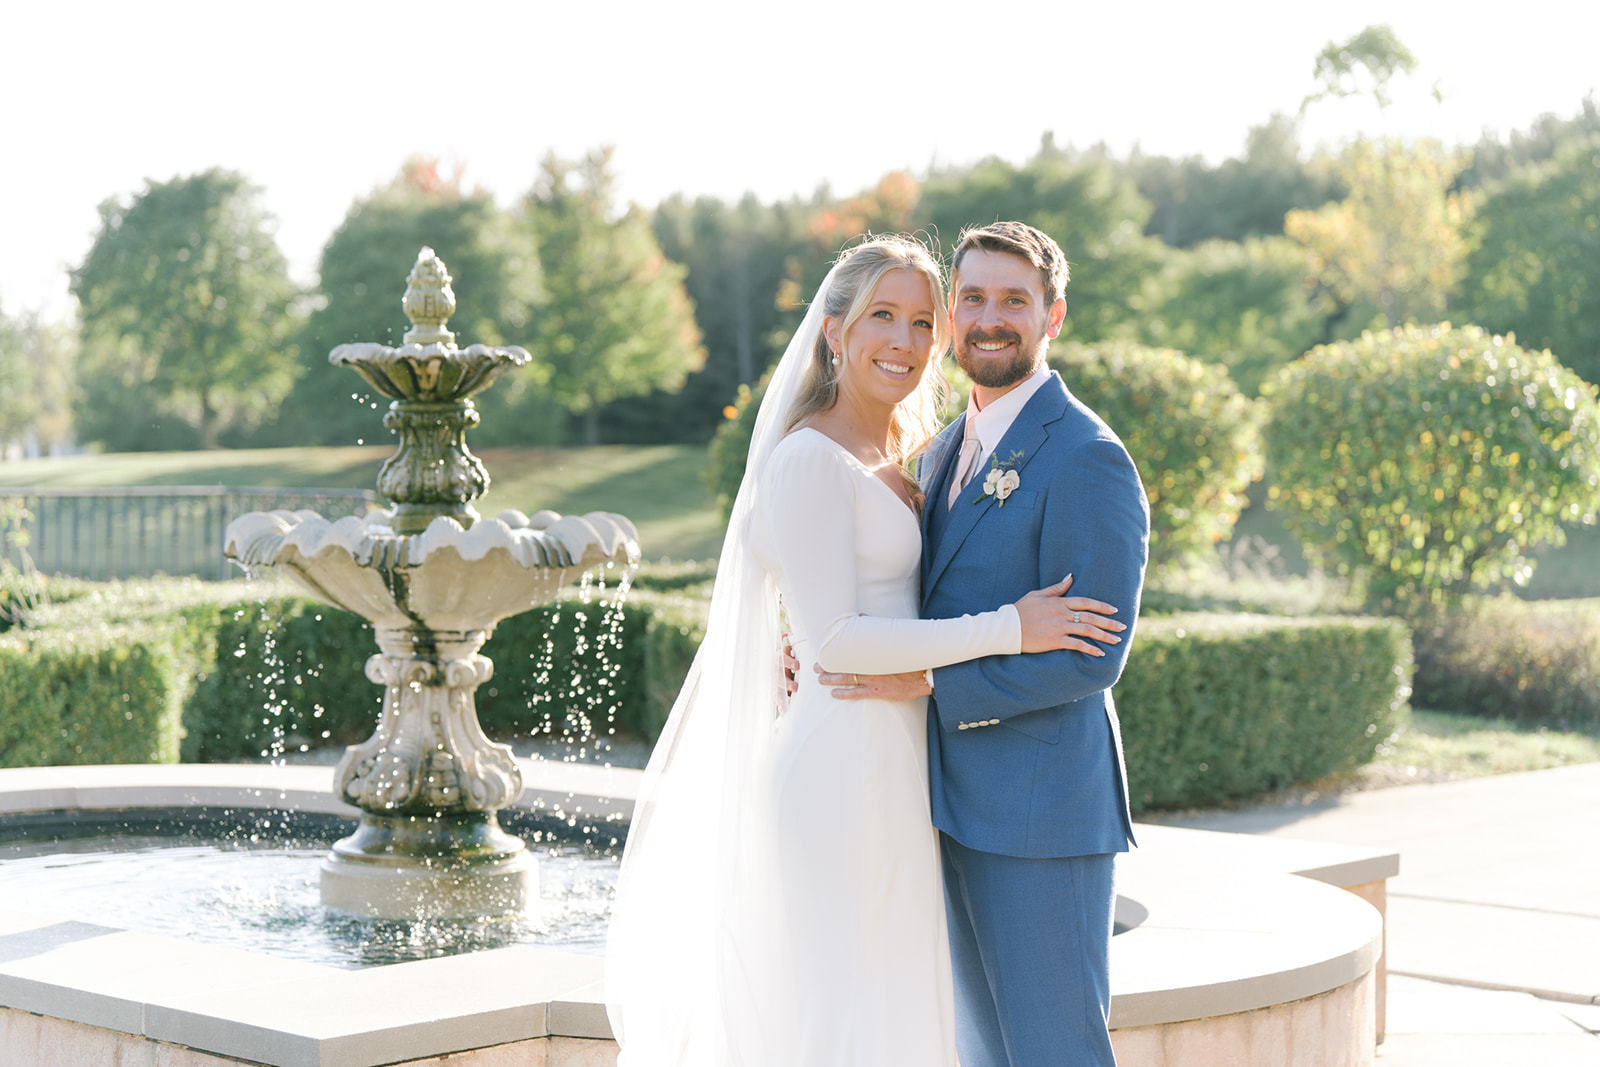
<point>991,422</point>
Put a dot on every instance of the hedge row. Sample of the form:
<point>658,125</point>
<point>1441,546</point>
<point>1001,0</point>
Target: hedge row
<point>158,670</point>
<point>1215,707</point>
<point>1536,662</point>
<point>1212,706</point>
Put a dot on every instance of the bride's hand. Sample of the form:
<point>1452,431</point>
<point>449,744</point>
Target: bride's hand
<point>1052,620</point>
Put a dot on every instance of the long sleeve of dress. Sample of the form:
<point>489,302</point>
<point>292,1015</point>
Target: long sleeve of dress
<point>811,507</point>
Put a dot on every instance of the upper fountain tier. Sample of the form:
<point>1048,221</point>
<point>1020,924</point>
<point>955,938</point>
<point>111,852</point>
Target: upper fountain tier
<point>428,368</point>
<point>428,561</point>
<point>446,578</point>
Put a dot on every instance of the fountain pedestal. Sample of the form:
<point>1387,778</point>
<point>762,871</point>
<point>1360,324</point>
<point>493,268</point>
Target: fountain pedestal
<point>428,783</point>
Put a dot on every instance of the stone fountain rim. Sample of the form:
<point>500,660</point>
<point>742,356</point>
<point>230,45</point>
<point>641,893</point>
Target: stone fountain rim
<point>278,1011</point>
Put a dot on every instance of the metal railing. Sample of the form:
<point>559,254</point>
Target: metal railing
<point>138,531</point>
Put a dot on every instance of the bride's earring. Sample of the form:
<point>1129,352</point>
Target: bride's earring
<point>837,359</point>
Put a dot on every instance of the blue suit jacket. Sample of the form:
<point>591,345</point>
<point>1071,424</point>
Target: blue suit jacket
<point>1025,751</point>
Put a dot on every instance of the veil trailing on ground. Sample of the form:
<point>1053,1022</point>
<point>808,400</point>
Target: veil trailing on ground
<point>697,890</point>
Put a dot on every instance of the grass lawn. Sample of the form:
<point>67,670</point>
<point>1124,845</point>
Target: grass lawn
<point>1440,746</point>
<point>659,487</point>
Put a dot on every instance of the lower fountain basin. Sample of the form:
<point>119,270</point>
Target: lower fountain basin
<point>1229,957</point>
<point>250,881</point>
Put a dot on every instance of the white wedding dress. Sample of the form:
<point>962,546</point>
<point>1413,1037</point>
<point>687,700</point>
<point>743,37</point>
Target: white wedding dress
<point>780,902</point>
<point>864,967</point>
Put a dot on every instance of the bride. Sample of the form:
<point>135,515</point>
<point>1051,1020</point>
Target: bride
<point>780,900</point>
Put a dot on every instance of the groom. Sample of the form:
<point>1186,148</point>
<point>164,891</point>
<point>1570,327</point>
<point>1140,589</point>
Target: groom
<point>1025,755</point>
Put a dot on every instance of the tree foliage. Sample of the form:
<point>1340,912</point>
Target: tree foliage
<point>616,321</point>
<point>1092,209</point>
<point>1247,196</point>
<point>741,261</point>
<point>186,308</point>
<point>1430,459</point>
<point>1394,246</point>
<point>1534,267</point>
<point>1244,305</point>
<point>495,274</point>
<point>38,374</point>
<point>1366,63</point>
<point>1191,433</point>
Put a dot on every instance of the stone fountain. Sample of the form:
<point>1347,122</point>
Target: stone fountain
<point>433,579</point>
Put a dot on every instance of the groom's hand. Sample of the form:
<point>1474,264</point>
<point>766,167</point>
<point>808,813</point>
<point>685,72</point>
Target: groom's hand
<point>907,686</point>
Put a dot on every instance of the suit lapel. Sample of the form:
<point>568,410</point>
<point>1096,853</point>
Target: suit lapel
<point>933,475</point>
<point>1027,435</point>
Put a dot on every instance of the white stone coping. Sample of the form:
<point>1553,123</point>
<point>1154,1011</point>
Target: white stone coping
<point>1226,927</point>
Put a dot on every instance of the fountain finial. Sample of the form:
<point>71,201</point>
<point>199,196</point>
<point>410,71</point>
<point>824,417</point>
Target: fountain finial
<point>429,301</point>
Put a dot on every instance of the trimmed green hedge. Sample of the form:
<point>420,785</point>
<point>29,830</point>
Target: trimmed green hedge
<point>1535,662</point>
<point>1213,706</point>
<point>114,695</point>
<point>1221,706</point>
<point>121,671</point>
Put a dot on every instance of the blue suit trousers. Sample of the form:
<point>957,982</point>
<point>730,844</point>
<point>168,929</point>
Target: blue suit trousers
<point>1029,940</point>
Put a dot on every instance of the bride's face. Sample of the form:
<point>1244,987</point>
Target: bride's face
<point>887,348</point>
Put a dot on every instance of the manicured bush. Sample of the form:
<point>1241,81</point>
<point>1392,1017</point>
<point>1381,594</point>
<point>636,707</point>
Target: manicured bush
<point>1427,460</point>
<point>1190,431</point>
<point>1221,706</point>
<point>246,671</point>
<point>111,694</point>
<point>1500,657</point>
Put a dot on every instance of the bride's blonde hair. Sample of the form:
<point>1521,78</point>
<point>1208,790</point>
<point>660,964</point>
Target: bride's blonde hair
<point>857,273</point>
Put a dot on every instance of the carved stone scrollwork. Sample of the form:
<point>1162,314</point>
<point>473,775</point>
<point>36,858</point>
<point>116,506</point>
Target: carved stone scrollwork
<point>428,755</point>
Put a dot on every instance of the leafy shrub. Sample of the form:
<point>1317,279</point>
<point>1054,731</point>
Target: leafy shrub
<point>730,445</point>
<point>1426,460</point>
<point>245,671</point>
<point>1190,432</point>
<point>1221,706</point>
<point>111,694</point>
<point>1501,657</point>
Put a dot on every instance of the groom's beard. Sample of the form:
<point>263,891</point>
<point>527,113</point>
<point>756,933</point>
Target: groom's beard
<point>992,375</point>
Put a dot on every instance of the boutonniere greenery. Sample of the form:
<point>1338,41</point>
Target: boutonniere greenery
<point>1002,479</point>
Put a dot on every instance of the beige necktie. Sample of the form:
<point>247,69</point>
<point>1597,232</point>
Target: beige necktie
<point>967,464</point>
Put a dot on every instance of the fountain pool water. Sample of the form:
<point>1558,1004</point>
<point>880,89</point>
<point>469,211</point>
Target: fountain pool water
<point>249,881</point>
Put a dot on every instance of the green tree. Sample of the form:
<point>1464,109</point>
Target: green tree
<point>1494,160</point>
<point>1246,196</point>
<point>186,310</point>
<point>1093,210</point>
<point>616,321</point>
<point>1190,431</point>
<point>1245,306</point>
<point>38,373</point>
<point>494,267</point>
<point>1534,266</point>
<point>1366,63</point>
<point>1430,459</point>
<point>739,258</point>
<point>1394,246</point>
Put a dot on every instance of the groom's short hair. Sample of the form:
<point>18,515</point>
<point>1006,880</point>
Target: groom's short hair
<point>1018,239</point>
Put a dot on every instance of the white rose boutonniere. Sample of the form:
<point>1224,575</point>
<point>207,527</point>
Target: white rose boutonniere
<point>1002,479</point>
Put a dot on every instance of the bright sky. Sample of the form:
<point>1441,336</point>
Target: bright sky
<point>319,102</point>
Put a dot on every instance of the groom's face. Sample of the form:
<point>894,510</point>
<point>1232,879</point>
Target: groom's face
<point>1000,317</point>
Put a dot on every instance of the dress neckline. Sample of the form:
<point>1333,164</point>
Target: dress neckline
<point>869,472</point>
